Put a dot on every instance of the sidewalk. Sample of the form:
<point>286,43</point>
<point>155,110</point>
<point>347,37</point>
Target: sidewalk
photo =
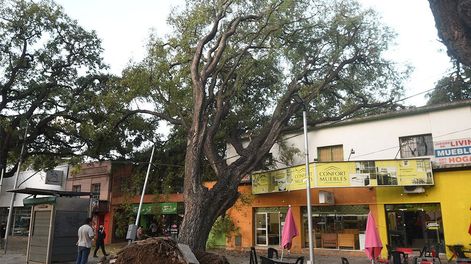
<point>233,259</point>
<point>16,253</point>
<point>15,258</point>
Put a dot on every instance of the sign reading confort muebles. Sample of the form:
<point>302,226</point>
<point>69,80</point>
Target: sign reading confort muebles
<point>409,172</point>
<point>455,151</point>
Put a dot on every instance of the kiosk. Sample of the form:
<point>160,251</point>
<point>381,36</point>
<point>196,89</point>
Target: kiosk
<point>55,220</point>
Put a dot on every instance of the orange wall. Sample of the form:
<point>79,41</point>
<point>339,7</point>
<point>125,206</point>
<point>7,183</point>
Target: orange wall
<point>242,214</point>
<point>150,198</point>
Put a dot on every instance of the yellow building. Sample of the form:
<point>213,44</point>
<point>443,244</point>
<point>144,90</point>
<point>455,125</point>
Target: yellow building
<point>449,199</point>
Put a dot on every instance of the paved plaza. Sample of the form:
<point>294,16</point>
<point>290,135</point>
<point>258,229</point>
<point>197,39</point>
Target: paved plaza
<point>16,254</point>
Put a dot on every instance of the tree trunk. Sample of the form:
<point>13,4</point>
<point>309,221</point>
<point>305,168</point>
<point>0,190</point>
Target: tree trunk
<point>201,211</point>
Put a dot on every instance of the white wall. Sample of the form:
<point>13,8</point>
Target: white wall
<point>36,181</point>
<point>379,139</point>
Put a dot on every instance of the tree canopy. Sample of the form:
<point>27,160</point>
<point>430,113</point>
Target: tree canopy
<point>52,86</point>
<point>451,88</point>
<point>227,75</point>
<point>453,22</point>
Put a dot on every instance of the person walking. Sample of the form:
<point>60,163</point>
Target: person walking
<point>100,241</point>
<point>84,243</point>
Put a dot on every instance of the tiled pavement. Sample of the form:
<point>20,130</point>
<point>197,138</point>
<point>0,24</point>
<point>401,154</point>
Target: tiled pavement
<point>17,255</point>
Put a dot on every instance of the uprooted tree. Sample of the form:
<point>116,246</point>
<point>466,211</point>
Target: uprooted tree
<point>227,75</point>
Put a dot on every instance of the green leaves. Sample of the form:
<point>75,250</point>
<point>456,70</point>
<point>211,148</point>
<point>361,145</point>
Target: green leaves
<point>452,88</point>
<point>43,57</point>
<point>249,57</point>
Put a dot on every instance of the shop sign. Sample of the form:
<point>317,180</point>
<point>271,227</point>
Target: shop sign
<point>408,172</point>
<point>168,208</point>
<point>162,208</point>
<point>455,151</point>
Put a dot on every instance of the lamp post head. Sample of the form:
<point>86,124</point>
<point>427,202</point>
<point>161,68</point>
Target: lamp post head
<point>299,100</point>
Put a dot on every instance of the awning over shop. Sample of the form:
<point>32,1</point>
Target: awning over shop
<point>58,193</point>
<point>157,208</point>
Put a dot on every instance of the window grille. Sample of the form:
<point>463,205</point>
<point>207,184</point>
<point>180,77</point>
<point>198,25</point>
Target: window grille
<point>416,146</point>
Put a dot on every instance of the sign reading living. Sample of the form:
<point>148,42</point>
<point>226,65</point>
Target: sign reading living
<point>455,151</point>
<point>410,172</point>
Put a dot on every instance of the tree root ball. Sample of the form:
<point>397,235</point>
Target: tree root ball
<point>151,250</point>
<point>160,250</point>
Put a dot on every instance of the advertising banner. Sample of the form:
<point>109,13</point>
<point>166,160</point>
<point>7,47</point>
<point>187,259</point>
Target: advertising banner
<point>409,172</point>
<point>455,151</point>
<point>287,179</point>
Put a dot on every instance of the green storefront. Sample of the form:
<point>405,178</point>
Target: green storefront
<point>165,217</point>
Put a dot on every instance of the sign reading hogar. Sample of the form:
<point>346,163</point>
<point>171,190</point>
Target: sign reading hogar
<point>455,151</point>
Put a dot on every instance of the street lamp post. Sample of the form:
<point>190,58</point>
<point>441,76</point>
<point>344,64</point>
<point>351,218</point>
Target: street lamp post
<point>132,238</point>
<point>144,187</point>
<point>299,100</point>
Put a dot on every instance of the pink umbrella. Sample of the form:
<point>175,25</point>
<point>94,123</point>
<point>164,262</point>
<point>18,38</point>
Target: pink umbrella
<point>289,231</point>
<point>373,245</point>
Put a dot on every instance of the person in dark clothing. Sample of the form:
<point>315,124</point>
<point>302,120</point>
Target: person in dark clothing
<point>3,229</point>
<point>100,241</point>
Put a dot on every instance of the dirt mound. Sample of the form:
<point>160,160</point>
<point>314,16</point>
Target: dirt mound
<point>210,258</point>
<point>151,250</point>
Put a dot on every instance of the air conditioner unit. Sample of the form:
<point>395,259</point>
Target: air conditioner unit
<point>326,197</point>
<point>414,189</point>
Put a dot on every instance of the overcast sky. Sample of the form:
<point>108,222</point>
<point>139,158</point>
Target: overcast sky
<point>124,27</point>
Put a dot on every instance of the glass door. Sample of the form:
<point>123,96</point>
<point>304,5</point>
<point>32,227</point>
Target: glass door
<point>274,229</point>
<point>415,226</point>
<point>261,230</point>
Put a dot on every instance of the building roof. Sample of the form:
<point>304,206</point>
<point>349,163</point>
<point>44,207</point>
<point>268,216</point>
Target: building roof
<point>399,113</point>
<point>35,191</point>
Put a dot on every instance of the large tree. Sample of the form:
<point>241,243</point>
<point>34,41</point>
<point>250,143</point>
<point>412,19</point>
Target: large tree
<point>52,89</point>
<point>228,73</point>
<point>453,22</point>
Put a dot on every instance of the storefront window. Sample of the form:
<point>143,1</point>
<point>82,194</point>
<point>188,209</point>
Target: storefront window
<point>336,226</point>
<point>268,225</point>
<point>21,218</point>
<point>415,226</point>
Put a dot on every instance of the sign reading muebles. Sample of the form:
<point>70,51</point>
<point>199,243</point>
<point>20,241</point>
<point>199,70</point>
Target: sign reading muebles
<point>455,151</point>
<point>410,172</point>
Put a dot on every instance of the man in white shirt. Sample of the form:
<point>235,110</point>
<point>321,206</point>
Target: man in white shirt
<point>84,243</point>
